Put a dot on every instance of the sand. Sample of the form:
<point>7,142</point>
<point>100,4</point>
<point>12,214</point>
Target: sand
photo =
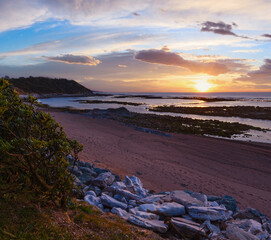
<point>202,164</point>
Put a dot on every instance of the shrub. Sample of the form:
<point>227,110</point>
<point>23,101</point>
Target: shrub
<point>33,150</point>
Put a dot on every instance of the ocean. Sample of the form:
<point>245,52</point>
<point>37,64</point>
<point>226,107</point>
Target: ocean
<point>260,99</point>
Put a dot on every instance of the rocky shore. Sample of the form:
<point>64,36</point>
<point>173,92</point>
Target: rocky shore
<point>181,213</point>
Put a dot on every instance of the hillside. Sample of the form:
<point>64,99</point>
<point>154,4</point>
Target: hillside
<point>48,86</point>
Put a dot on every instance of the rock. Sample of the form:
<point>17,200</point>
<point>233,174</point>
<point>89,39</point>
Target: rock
<point>153,198</point>
<point>215,231</point>
<point>104,179</point>
<point>212,204</point>
<point>87,164</point>
<point>132,203</point>
<point>249,225</point>
<point>147,215</point>
<point>74,170</point>
<point>96,189</point>
<point>117,177</point>
<point>92,193</point>
<point>263,235</point>
<point>111,202</point>
<point>185,199</point>
<point>147,207</point>
<point>100,170</point>
<point>155,225</point>
<point>171,209</point>
<point>125,193</point>
<point>201,197</point>
<point>138,186</point>
<point>118,185</point>
<point>77,182</point>
<point>229,202</point>
<point>209,213</point>
<point>188,228</point>
<point>120,212</point>
<point>249,213</point>
<point>92,200</point>
<point>86,178</point>
<point>120,198</point>
<point>87,170</point>
<point>235,233</point>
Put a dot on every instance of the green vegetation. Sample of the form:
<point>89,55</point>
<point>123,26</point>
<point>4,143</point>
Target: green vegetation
<point>33,150</point>
<point>232,111</point>
<point>43,85</point>
<point>25,220</point>
<point>35,187</point>
<point>110,102</point>
<point>188,125</point>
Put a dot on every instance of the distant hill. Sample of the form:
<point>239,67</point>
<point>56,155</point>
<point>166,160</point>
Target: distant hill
<point>44,86</point>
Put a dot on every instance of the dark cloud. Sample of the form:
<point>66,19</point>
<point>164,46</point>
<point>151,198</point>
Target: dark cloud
<point>267,35</point>
<point>173,59</point>
<point>218,28</point>
<point>136,14</point>
<point>263,75</point>
<point>75,59</point>
<point>221,28</point>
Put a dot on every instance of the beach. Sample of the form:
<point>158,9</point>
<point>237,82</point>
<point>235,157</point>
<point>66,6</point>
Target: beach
<point>203,164</point>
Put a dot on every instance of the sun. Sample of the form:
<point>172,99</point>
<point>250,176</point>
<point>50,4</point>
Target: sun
<point>203,86</point>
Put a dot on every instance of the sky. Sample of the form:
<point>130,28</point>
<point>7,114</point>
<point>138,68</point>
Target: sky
<point>140,46</point>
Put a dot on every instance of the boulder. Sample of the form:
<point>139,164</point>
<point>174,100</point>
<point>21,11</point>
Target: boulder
<point>120,212</point>
<point>104,179</point>
<point>147,215</point>
<point>228,201</point>
<point>188,228</point>
<point>120,198</point>
<point>92,193</point>
<point>111,202</point>
<point>92,200</point>
<point>87,170</point>
<point>235,233</point>
<point>249,225</point>
<point>138,186</point>
<point>209,213</point>
<point>249,213</point>
<point>86,178</point>
<point>125,193</point>
<point>96,189</point>
<point>147,207</point>
<point>170,209</point>
<point>185,199</point>
<point>155,225</point>
<point>201,197</point>
<point>153,198</point>
<point>118,185</point>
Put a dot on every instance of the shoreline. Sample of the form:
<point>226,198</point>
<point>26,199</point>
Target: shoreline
<point>198,163</point>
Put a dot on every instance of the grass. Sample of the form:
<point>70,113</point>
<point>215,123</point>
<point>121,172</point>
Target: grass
<point>24,220</point>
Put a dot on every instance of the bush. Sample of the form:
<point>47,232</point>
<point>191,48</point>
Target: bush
<point>33,150</point>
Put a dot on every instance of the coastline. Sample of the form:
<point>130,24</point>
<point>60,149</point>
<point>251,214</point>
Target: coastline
<point>198,163</point>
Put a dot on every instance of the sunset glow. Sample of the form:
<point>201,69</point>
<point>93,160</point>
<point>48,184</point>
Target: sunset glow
<point>142,46</point>
<point>203,86</point>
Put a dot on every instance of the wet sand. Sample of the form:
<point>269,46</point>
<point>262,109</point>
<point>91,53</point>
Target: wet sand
<point>203,164</point>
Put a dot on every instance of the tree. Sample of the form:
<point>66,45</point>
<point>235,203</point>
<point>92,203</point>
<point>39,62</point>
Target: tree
<point>33,150</point>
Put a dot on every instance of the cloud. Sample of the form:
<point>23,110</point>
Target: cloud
<point>173,59</point>
<point>218,28</point>
<point>267,35</point>
<point>263,75</point>
<point>221,28</point>
<point>122,66</point>
<point>248,50</point>
<point>75,59</point>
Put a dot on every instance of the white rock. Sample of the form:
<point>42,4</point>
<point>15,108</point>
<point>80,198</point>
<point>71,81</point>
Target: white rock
<point>120,212</point>
<point>92,193</point>
<point>171,209</point>
<point>118,185</point>
<point>209,213</point>
<point>153,198</point>
<point>155,225</point>
<point>147,215</point>
<point>235,233</point>
<point>185,199</point>
<point>111,202</point>
<point>249,225</point>
<point>92,200</point>
<point>146,207</point>
<point>187,228</point>
<point>104,179</point>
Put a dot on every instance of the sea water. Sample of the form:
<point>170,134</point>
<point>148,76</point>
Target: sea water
<point>261,99</point>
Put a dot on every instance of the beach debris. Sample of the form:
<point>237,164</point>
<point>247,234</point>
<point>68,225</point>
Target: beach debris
<point>186,214</point>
